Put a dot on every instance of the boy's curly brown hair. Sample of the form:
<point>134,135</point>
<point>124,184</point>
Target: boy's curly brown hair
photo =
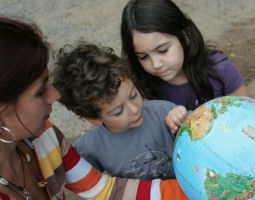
<point>86,74</point>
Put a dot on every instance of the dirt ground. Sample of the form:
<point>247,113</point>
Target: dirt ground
<point>238,45</point>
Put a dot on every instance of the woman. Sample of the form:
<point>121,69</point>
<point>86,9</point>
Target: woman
<point>36,161</point>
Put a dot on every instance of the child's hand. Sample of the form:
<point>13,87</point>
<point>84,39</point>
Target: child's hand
<point>175,117</point>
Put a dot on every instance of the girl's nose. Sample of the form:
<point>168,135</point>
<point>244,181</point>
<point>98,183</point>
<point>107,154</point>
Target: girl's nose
<point>156,62</point>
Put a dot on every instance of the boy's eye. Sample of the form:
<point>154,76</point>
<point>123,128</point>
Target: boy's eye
<point>118,112</point>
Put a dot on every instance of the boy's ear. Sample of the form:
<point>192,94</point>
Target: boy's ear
<point>96,122</point>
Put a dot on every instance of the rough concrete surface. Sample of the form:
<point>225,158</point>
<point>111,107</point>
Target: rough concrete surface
<point>228,24</point>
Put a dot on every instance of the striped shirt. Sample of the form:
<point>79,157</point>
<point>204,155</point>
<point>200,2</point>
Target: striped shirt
<point>62,166</point>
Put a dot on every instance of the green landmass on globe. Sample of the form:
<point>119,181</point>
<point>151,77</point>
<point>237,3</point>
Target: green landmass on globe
<point>230,186</point>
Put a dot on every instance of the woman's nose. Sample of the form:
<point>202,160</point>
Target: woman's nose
<point>53,95</point>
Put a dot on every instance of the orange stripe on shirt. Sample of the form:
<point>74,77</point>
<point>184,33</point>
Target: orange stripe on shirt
<point>48,124</point>
<point>170,189</point>
<point>86,183</point>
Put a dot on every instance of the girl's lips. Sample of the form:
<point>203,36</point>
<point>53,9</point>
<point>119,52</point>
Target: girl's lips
<point>164,72</point>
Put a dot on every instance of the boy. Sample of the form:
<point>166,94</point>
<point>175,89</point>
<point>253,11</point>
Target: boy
<point>130,138</point>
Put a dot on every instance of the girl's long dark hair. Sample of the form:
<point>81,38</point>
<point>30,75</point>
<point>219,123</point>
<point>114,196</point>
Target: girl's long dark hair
<point>164,16</point>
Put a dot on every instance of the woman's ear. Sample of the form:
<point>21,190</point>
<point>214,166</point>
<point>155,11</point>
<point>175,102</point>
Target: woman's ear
<point>96,122</point>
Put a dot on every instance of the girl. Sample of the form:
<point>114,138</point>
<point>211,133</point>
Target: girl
<point>170,58</point>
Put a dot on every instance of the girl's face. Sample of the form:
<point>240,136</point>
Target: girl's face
<point>125,110</point>
<point>160,55</point>
<point>32,108</point>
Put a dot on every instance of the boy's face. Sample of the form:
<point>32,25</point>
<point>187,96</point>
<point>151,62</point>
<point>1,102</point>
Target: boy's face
<point>125,110</point>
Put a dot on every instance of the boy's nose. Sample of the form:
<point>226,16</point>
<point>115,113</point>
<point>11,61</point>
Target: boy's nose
<point>133,108</point>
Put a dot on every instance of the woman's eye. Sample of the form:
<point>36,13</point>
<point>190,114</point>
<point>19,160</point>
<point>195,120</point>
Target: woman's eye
<point>41,92</point>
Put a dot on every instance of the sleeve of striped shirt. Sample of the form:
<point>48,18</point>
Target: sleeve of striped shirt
<point>83,179</point>
<point>4,196</point>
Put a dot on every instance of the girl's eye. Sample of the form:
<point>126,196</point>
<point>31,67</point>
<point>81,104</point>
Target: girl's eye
<point>163,51</point>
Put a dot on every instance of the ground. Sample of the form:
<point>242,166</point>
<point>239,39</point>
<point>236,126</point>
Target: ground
<point>239,45</point>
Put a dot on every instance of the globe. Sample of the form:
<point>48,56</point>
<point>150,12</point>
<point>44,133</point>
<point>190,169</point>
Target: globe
<point>214,152</point>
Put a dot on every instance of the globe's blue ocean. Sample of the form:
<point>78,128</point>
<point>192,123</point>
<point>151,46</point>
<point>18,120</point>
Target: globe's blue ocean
<point>221,163</point>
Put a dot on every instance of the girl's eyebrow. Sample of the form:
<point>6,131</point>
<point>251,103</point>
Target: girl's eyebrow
<point>157,47</point>
<point>163,44</point>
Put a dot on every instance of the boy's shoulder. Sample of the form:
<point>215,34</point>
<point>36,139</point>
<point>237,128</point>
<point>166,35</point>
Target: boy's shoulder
<point>91,135</point>
<point>158,105</point>
<point>156,111</point>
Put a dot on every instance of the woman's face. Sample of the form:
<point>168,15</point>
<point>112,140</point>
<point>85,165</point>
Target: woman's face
<point>32,108</point>
<point>160,55</point>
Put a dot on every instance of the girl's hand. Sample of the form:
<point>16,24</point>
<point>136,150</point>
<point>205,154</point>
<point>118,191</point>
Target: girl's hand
<point>175,117</point>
